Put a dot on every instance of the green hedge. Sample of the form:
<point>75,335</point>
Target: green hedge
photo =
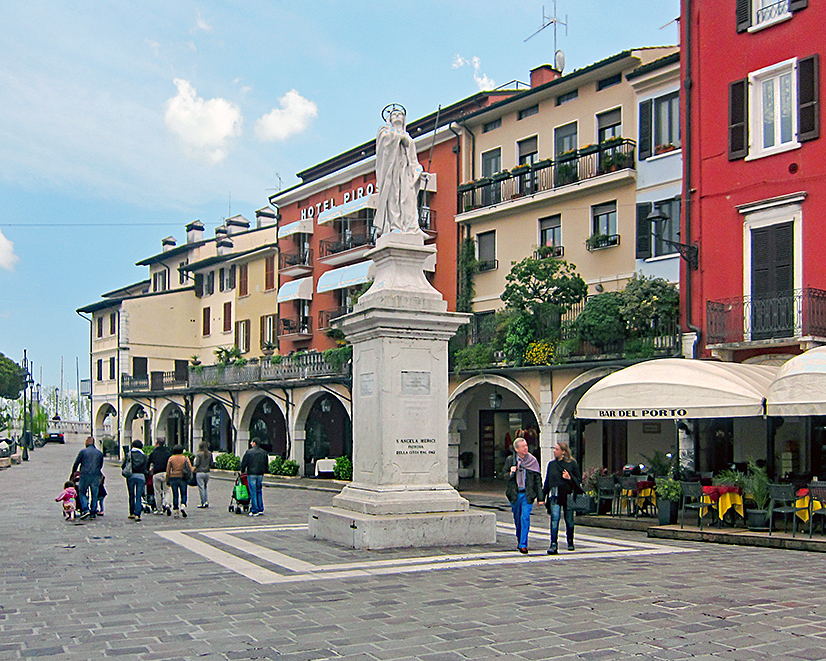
<point>228,462</point>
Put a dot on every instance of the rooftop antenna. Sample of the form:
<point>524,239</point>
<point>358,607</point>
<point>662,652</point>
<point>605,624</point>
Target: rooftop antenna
<point>229,209</point>
<point>559,56</point>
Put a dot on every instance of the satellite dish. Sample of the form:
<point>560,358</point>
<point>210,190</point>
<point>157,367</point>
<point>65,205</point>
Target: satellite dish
<point>559,61</point>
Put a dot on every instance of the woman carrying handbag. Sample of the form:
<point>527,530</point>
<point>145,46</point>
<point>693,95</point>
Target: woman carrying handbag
<point>562,479</point>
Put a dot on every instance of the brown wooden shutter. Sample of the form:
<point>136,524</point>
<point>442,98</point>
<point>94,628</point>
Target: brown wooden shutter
<point>743,13</point>
<point>261,335</point>
<point>232,271</point>
<point>206,325</point>
<point>643,230</point>
<point>808,98</point>
<point>237,334</point>
<point>199,285</point>
<point>243,286</point>
<point>797,5</point>
<point>227,316</point>
<point>646,129</point>
<point>738,105</point>
<point>269,277</point>
<point>247,329</point>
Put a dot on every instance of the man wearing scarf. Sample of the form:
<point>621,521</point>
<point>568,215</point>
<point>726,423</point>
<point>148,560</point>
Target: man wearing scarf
<point>524,487</point>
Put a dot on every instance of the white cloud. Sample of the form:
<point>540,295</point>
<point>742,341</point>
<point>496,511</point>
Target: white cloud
<point>201,25</point>
<point>7,257</point>
<point>204,126</point>
<point>292,117</point>
<point>483,82</point>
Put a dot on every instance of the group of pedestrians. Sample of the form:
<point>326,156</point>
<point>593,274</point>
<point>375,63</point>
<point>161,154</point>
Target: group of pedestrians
<point>525,486</point>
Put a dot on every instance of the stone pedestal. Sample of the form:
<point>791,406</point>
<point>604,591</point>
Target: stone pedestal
<point>400,495</point>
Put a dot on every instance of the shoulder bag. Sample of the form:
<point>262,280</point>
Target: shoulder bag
<point>579,502</point>
<point>126,468</point>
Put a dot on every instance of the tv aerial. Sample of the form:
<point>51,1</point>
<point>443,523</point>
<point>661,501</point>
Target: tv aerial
<point>547,21</point>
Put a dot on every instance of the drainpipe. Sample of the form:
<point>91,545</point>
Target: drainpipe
<point>458,151</point>
<point>472,151</point>
<point>688,84</point>
<point>91,379</point>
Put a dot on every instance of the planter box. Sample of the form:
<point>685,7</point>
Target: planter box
<point>466,473</point>
<point>758,520</point>
<point>667,511</point>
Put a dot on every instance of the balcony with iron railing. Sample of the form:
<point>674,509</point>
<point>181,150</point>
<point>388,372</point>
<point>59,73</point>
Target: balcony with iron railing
<point>576,167</point>
<point>155,381</point>
<point>347,247</point>
<point>300,327</point>
<point>771,13</point>
<point>133,383</point>
<point>427,222</point>
<point>296,262</point>
<point>326,317</point>
<point>291,368</point>
<point>783,317</point>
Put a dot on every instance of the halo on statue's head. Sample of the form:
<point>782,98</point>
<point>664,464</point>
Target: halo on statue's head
<point>390,108</point>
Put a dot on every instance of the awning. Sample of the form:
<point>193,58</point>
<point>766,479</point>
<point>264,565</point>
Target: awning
<point>800,385</point>
<point>296,289</point>
<point>673,388</point>
<point>304,226</point>
<point>346,276</point>
<point>346,209</point>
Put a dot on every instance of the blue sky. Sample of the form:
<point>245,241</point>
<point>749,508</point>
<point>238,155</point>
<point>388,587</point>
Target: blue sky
<point>121,122</point>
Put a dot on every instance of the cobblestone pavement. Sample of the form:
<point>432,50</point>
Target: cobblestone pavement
<point>219,586</point>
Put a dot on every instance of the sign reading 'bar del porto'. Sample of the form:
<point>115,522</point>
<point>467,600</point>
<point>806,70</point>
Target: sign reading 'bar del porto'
<point>644,413</point>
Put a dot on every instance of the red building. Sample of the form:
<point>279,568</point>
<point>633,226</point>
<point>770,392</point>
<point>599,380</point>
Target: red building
<point>326,227</point>
<point>754,184</point>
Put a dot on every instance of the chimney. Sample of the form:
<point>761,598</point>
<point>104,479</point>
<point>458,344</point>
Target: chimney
<point>221,231</point>
<point>265,217</point>
<point>224,245</point>
<point>544,73</point>
<point>168,243</point>
<point>194,231</point>
<point>237,224</point>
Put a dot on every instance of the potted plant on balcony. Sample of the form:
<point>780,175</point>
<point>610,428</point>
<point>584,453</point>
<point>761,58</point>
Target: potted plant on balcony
<point>588,149</point>
<point>466,465</point>
<point>501,175</point>
<point>757,490</point>
<point>664,149</point>
<point>544,163</point>
<point>596,241</point>
<point>613,141</point>
<point>268,348</point>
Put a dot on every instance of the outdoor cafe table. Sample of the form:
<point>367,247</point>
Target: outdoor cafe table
<point>803,501</point>
<point>645,495</point>
<point>725,498</point>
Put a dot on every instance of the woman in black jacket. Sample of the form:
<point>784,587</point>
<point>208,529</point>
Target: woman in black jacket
<point>134,468</point>
<point>561,479</point>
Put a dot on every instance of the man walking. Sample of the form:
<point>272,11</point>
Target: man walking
<point>255,463</point>
<point>90,460</point>
<point>158,459</point>
<point>524,486</point>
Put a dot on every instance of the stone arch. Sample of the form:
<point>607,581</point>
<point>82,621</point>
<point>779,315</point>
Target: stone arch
<point>263,418</point>
<point>565,405</point>
<point>105,410</point>
<point>162,424</point>
<point>132,430</point>
<point>456,404</point>
<point>317,432</point>
<point>302,408</point>
<point>224,439</point>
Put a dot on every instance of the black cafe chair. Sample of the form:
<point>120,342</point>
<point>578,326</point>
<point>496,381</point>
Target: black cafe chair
<point>782,500</point>
<point>692,499</point>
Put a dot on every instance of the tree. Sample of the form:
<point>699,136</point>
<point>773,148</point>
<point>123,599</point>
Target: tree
<point>648,304</point>
<point>601,322</point>
<point>543,288</point>
<point>10,380</point>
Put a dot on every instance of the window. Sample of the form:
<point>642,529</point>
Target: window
<point>159,281</point>
<point>527,151</point>
<point>550,231</point>
<point>100,326</point>
<point>527,112</point>
<point>228,317</point>
<point>568,96</point>
<point>199,285</point>
<point>181,272</point>
<point>209,284</point>
<point>269,329</point>
<point>222,280</point>
<point>113,323</point>
<point>659,125</point>
<point>609,125</point>
<point>772,281</point>
<point>486,248</point>
<point>205,327</point>
<point>610,81</point>
<point>242,335</point>
<point>99,370</point>
<point>758,14</point>
<point>604,219</point>
<point>112,368</point>
<point>140,367</point>
<point>775,109</point>
<point>491,125</point>
<point>269,273</point>
<point>491,162</point>
<point>565,139</point>
<point>652,237</point>
<point>231,277</point>
<point>243,282</point>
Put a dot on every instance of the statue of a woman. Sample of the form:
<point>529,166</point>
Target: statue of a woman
<point>399,176</point>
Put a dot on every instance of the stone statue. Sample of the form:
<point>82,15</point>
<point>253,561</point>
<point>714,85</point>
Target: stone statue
<point>399,177</point>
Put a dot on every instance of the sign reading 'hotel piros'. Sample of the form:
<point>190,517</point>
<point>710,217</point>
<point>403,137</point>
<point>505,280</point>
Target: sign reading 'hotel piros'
<point>643,413</point>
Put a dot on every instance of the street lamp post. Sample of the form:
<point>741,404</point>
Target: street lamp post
<point>690,253</point>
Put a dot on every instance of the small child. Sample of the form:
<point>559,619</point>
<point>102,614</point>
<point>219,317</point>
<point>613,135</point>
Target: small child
<point>101,495</point>
<point>68,497</point>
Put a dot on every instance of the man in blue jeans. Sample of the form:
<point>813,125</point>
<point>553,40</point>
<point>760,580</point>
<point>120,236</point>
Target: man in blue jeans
<point>524,487</point>
<point>90,460</point>
<point>255,463</point>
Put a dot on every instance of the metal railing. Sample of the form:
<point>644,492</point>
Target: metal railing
<point>295,325</point>
<point>307,366</point>
<point>295,258</point>
<point>325,317</point>
<point>547,175</point>
<point>346,241</point>
<point>133,383</point>
<point>772,11</point>
<point>797,313</point>
<point>601,241</point>
<point>488,265</point>
<point>557,252</point>
<point>427,219</point>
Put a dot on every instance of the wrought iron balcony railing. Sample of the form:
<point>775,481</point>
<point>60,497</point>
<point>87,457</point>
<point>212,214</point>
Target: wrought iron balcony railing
<point>798,313</point>
<point>295,325</point>
<point>325,317</point>
<point>346,241</point>
<point>295,258</point>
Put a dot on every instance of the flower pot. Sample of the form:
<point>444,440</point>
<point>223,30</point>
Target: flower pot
<point>466,473</point>
<point>758,520</point>
<point>667,511</point>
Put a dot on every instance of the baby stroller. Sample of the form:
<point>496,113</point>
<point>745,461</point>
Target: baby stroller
<point>148,500</point>
<point>239,501</point>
